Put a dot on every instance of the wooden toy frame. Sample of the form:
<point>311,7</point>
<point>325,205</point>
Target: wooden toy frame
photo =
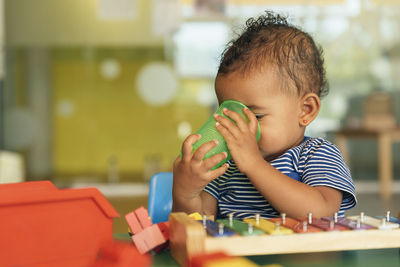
<point>189,238</point>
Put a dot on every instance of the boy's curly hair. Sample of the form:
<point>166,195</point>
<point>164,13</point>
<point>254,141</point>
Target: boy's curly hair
<point>271,40</point>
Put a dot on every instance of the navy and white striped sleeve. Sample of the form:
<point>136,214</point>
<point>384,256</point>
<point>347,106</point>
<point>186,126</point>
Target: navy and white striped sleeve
<point>213,188</point>
<point>324,166</point>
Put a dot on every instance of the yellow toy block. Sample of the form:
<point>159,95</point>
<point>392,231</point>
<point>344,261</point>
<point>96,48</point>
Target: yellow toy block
<point>232,262</point>
<point>196,216</point>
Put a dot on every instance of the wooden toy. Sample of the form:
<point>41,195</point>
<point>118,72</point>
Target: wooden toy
<point>381,224</point>
<point>148,239</point>
<point>189,238</point>
<point>145,235</point>
<point>197,217</point>
<point>295,225</point>
<point>217,229</point>
<point>390,218</point>
<point>133,223</point>
<point>41,225</point>
<point>327,225</point>
<point>352,224</point>
<point>324,225</point>
<point>272,228</point>
<point>138,220</point>
<point>240,227</point>
<point>121,254</point>
<point>143,217</point>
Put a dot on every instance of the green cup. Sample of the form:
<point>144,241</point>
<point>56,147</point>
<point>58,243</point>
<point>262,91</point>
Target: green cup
<point>209,132</point>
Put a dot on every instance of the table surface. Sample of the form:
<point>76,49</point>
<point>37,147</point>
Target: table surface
<point>361,132</point>
<point>366,130</point>
<point>355,258</point>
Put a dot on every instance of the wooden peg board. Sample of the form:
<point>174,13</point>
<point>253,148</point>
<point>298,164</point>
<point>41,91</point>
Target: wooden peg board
<point>189,238</point>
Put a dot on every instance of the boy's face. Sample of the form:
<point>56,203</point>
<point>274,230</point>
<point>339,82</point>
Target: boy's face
<point>278,113</point>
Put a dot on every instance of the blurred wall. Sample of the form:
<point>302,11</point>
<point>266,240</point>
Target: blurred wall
<point>77,22</point>
<point>73,66</point>
<point>96,124</point>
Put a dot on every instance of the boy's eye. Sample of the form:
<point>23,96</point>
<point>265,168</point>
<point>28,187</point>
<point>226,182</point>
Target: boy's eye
<point>259,116</point>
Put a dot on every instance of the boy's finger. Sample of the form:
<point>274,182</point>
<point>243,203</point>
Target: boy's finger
<point>188,144</point>
<point>227,134</point>
<point>218,172</point>
<point>227,125</point>
<point>203,150</point>
<point>177,160</point>
<point>240,122</point>
<point>253,122</point>
<point>214,160</point>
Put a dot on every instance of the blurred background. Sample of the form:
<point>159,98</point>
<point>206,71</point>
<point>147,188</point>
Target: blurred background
<point>103,92</point>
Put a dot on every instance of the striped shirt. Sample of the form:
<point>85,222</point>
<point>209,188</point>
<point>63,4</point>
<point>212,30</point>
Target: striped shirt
<point>315,162</point>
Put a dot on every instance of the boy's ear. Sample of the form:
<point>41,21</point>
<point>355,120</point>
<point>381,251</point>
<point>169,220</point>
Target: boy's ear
<point>310,105</point>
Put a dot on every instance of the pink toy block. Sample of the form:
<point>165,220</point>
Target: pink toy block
<point>143,217</point>
<point>138,220</point>
<point>133,223</point>
<point>148,239</point>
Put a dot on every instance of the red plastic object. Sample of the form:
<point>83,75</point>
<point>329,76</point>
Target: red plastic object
<point>42,225</point>
<point>164,228</point>
<point>121,254</point>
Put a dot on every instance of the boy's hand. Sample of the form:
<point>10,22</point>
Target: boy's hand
<point>191,172</point>
<point>240,138</point>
